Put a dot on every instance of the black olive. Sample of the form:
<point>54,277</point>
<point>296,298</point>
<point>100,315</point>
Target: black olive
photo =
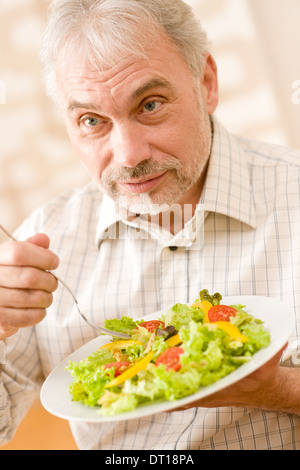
<point>166,332</point>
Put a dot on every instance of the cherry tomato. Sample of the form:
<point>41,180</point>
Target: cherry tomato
<point>120,366</point>
<point>221,313</point>
<point>171,358</point>
<point>152,325</point>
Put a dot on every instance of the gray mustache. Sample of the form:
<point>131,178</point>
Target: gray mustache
<point>142,169</point>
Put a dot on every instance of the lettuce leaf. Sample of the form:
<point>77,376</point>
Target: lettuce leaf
<point>115,403</point>
<point>90,378</point>
<point>252,328</point>
<point>181,314</point>
<point>122,325</point>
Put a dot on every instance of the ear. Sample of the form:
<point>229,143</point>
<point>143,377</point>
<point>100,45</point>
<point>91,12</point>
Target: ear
<point>209,84</point>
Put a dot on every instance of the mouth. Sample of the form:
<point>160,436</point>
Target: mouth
<point>142,185</point>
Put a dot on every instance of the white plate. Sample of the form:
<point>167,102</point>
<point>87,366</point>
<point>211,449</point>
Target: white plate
<point>55,397</point>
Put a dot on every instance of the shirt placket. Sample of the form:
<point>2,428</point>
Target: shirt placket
<point>173,276</point>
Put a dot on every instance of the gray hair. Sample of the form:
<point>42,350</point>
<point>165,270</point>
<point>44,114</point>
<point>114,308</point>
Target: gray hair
<point>106,31</point>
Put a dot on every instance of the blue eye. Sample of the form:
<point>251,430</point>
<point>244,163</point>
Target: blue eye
<point>152,106</point>
<point>91,121</point>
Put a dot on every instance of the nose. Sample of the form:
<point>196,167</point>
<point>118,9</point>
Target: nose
<point>129,144</point>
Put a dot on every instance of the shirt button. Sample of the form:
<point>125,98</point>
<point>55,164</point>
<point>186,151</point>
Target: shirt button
<point>173,248</point>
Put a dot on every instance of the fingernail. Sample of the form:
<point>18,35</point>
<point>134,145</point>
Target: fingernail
<point>55,262</point>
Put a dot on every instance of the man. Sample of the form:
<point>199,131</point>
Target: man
<point>138,96</point>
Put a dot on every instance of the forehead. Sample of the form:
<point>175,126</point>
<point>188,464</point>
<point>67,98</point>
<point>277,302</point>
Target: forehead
<point>163,65</point>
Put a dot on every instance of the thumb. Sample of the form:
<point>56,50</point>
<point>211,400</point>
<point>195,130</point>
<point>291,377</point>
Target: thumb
<point>40,239</point>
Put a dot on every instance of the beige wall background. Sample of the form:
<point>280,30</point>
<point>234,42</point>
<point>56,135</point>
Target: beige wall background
<point>256,44</point>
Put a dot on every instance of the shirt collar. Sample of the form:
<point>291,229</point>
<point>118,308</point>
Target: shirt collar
<point>227,189</point>
<point>108,216</point>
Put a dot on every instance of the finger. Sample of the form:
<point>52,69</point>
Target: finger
<point>13,318</point>
<point>25,298</point>
<point>27,254</point>
<point>40,239</point>
<point>27,278</point>
<point>6,333</point>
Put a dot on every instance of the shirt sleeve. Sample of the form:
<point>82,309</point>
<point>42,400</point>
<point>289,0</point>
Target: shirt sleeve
<point>2,352</point>
<point>19,381</point>
<point>20,371</point>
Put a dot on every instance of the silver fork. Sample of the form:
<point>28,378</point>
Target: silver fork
<point>93,325</point>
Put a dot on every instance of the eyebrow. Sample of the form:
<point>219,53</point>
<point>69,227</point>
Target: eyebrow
<point>77,104</point>
<point>153,83</point>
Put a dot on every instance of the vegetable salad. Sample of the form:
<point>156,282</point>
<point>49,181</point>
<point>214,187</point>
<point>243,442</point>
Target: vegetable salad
<point>189,347</point>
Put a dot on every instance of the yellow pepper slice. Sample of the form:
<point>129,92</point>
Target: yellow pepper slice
<point>231,329</point>
<point>205,306</point>
<point>131,372</point>
<point>140,365</point>
<point>173,341</point>
<point>123,344</point>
